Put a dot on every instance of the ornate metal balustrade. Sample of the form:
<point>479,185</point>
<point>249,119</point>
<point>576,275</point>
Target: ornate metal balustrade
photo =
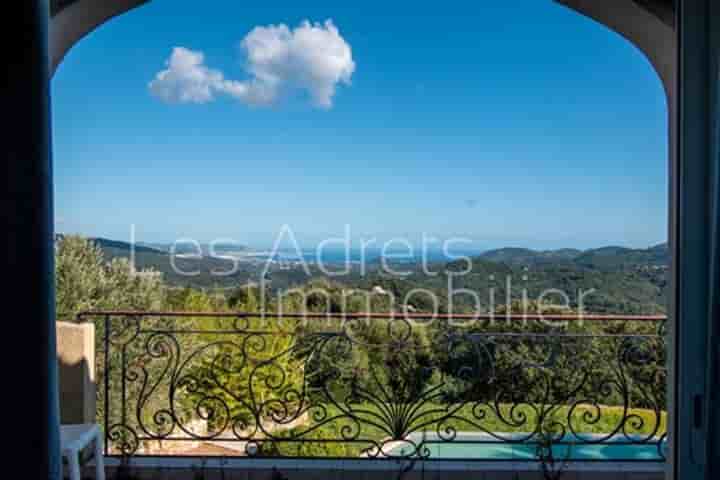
<point>380,386</point>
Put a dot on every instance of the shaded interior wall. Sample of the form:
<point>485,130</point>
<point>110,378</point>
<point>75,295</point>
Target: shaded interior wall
<point>212,468</point>
<point>72,20</point>
<point>663,9</point>
<point>642,27</point>
<point>57,5</point>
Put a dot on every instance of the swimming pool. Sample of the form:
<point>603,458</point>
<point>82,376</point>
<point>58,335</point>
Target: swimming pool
<point>483,446</point>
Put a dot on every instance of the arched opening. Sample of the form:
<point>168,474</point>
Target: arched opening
<point>695,144</point>
<point>203,95</point>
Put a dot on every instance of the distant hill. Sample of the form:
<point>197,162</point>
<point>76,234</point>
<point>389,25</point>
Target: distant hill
<point>618,291</point>
<point>611,257</point>
<point>191,248</point>
<point>620,257</point>
<point>180,271</point>
<point>625,280</point>
<point>525,256</point>
<point>116,248</point>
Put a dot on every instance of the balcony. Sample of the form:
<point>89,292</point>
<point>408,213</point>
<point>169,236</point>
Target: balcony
<point>403,392</point>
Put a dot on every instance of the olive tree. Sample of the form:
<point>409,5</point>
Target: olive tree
<point>84,280</point>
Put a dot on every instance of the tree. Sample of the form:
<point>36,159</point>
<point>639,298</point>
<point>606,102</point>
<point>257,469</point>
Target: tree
<point>85,281</point>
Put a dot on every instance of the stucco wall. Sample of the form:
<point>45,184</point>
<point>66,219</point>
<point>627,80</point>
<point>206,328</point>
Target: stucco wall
<point>76,364</point>
<point>78,18</point>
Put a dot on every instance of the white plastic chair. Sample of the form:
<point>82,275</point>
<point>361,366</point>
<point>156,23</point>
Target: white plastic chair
<point>73,439</point>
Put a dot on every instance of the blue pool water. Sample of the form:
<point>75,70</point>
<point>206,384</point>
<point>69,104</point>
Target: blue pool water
<point>466,446</point>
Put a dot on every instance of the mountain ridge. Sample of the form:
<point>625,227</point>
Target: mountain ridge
<point>601,257</point>
<point>626,280</point>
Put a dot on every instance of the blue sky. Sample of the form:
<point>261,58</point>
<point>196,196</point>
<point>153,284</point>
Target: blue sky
<point>509,123</point>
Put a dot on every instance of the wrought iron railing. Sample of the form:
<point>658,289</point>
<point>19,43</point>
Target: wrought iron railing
<point>381,385</point>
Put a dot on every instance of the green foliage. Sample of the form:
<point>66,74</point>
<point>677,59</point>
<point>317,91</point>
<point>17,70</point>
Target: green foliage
<point>85,281</point>
<point>625,280</point>
<point>249,372</point>
<point>245,298</point>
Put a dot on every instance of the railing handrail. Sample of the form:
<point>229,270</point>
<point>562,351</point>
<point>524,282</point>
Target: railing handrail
<point>416,316</point>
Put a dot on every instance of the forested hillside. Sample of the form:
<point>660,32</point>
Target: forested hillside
<point>610,279</point>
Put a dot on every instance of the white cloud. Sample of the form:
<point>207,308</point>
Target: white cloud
<point>312,58</point>
<point>186,79</point>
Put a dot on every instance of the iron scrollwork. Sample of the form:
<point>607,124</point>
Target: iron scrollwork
<point>378,389</point>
